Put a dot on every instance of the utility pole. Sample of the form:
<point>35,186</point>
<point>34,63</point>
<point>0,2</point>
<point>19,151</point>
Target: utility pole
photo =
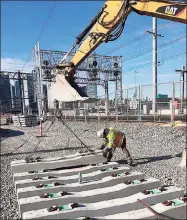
<point>135,93</point>
<point>116,101</point>
<point>155,35</point>
<point>106,95</point>
<point>182,79</point>
<point>139,103</point>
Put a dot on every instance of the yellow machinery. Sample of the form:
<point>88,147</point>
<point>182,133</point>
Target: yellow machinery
<point>108,26</point>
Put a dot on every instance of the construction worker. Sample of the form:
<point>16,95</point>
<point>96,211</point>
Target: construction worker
<point>113,139</point>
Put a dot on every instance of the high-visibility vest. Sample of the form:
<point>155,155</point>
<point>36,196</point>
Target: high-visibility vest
<point>115,138</point>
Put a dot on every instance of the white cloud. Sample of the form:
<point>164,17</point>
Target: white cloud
<point>11,64</point>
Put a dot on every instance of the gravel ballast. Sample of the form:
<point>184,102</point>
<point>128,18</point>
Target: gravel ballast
<point>155,150</point>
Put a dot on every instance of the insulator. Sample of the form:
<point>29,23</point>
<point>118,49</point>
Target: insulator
<point>116,73</point>
<point>46,62</point>
<point>116,65</point>
<point>94,63</point>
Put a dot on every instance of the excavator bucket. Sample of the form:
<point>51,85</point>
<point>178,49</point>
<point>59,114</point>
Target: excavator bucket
<point>65,91</point>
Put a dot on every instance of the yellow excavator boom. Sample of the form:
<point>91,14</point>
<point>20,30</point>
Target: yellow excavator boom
<point>108,26</point>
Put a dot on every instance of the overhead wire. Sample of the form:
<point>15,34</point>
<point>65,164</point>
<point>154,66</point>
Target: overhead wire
<point>44,26</point>
<point>150,63</point>
<point>146,52</point>
<point>138,38</point>
<point>163,26</point>
<point>147,64</point>
<point>144,74</point>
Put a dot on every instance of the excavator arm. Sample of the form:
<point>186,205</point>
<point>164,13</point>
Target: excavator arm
<point>108,26</point>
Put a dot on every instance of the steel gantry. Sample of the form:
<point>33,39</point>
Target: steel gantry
<point>95,70</point>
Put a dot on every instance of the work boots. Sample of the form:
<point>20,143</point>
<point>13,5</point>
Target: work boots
<point>109,156</point>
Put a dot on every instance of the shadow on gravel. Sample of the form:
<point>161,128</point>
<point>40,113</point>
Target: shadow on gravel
<point>153,159</point>
<point>6,133</point>
<point>145,160</point>
<point>42,151</point>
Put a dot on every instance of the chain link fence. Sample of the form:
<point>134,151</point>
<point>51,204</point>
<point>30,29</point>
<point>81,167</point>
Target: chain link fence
<point>137,105</point>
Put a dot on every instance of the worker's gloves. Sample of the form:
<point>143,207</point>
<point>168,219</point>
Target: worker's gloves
<point>102,147</point>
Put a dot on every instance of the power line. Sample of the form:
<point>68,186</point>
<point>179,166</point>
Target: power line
<point>150,63</point>
<point>144,74</point>
<point>170,23</point>
<point>45,24</point>
<point>146,52</point>
<point>138,38</point>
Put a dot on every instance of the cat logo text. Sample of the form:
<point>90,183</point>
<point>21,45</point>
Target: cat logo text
<point>170,10</point>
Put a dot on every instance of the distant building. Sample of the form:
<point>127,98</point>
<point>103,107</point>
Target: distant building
<point>133,104</point>
<point>176,103</point>
<point>5,94</point>
<point>162,96</point>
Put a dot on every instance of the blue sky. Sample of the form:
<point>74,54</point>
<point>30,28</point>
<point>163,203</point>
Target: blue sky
<point>22,22</point>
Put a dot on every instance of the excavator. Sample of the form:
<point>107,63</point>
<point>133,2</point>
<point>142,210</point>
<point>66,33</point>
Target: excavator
<point>107,26</point>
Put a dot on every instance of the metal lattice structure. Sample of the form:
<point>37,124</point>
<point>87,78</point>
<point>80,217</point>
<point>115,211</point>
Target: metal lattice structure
<point>20,77</point>
<point>15,75</point>
<point>108,68</point>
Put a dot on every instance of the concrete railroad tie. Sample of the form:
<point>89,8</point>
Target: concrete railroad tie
<point>69,179</point>
<point>64,172</point>
<point>76,187</point>
<point>89,196</point>
<point>105,208</point>
<point>21,166</point>
<point>177,212</point>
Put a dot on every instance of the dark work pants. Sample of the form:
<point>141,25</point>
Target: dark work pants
<point>124,149</point>
<point>108,153</point>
